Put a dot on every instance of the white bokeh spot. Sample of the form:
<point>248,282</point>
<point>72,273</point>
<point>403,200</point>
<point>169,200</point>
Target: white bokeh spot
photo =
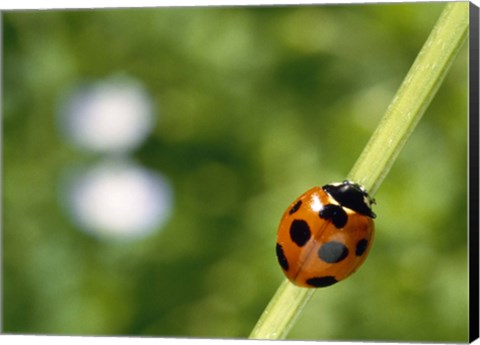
<point>120,199</point>
<point>108,117</point>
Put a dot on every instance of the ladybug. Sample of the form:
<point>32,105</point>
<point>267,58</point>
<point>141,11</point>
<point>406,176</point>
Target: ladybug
<point>325,234</point>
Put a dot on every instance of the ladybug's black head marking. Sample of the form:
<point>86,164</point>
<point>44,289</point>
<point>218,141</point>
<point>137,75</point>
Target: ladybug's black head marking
<point>351,195</point>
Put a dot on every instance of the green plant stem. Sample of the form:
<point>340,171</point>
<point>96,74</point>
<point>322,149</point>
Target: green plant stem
<point>400,119</point>
<point>413,97</point>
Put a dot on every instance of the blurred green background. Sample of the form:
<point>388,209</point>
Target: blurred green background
<point>253,106</point>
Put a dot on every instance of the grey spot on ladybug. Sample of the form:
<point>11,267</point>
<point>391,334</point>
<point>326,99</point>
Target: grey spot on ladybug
<point>332,252</point>
<point>300,232</point>
<point>295,207</point>
<point>282,260</point>
<point>361,247</point>
<point>335,213</point>
<point>321,281</point>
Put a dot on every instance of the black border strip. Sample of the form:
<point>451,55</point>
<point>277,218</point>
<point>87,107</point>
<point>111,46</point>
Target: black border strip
<point>473,174</point>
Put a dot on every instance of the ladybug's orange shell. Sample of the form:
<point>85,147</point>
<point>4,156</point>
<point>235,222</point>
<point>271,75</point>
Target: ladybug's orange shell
<point>302,263</point>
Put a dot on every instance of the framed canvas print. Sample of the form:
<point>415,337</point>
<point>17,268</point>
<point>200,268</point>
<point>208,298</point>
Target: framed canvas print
<point>263,171</point>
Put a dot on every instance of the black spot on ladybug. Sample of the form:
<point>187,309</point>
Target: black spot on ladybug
<point>335,213</point>
<point>300,232</point>
<point>321,281</point>
<point>332,252</point>
<point>282,260</point>
<point>361,247</point>
<point>295,207</point>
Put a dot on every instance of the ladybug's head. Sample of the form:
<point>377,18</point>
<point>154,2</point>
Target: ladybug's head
<point>351,195</point>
